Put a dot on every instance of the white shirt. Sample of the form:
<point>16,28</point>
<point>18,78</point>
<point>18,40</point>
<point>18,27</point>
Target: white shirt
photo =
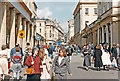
<point>60,59</point>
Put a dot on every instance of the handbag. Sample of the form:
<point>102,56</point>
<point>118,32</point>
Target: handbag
<point>30,70</point>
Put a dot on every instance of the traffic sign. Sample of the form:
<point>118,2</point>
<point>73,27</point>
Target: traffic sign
<point>21,33</point>
<point>37,37</point>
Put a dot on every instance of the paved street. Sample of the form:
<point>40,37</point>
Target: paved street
<point>80,73</point>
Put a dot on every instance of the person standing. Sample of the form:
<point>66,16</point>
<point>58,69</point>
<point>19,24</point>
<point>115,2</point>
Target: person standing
<point>97,57</point>
<point>118,56</point>
<point>61,66</point>
<point>87,57</point>
<point>106,58</point>
<point>16,64</point>
<point>3,62</point>
<point>114,54</point>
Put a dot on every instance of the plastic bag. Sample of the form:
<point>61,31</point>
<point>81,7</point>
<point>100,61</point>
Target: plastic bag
<point>114,63</point>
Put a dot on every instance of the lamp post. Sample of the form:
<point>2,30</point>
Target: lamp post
<point>99,20</point>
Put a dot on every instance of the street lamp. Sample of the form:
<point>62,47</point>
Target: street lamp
<point>99,20</point>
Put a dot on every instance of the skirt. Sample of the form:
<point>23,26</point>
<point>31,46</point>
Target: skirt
<point>87,60</point>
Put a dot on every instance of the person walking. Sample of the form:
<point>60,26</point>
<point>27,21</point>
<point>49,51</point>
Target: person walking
<point>46,65</point>
<point>69,51</point>
<point>106,59</point>
<point>50,51</point>
<point>97,57</point>
<point>3,62</point>
<point>34,62</point>
<point>87,57</point>
<point>16,64</point>
<point>28,53</point>
<point>61,66</point>
<point>76,49</point>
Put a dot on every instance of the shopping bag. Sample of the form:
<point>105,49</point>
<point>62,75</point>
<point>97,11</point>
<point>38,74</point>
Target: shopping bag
<point>114,63</point>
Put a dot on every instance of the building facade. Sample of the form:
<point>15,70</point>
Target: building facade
<point>106,28</point>
<point>15,16</point>
<point>84,13</point>
<point>49,30</point>
<point>70,29</point>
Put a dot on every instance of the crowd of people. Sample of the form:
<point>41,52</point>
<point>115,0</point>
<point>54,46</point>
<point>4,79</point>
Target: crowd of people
<point>40,60</point>
<point>103,56</point>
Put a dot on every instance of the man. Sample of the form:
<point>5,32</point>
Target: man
<point>27,46</point>
<point>114,54</point>
<point>118,56</point>
<point>70,51</point>
<point>76,49</point>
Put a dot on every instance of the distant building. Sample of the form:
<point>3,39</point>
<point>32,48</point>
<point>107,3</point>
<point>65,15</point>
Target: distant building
<point>70,29</point>
<point>84,13</point>
<point>49,30</point>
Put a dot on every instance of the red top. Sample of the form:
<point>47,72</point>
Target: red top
<point>46,47</point>
<point>37,64</point>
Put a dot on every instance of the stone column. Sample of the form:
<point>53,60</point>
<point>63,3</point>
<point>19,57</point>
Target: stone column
<point>19,40</point>
<point>111,34</point>
<point>12,26</point>
<point>98,35</point>
<point>24,39</point>
<point>32,38</point>
<point>28,35</point>
<point>117,32</point>
<point>3,24</point>
<point>103,38</point>
<point>107,34</point>
<point>114,32</point>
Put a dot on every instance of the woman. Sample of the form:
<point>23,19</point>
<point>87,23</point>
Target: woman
<point>106,59</point>
<point>61,66</point>
<point>97,57</point>
<point>46,64</point>
<point>3,62</point>
<point>34,61</point>
<point>87,57</point>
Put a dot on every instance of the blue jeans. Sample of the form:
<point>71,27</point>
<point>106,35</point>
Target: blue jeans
<point>51,56</point>
<point>76,51</point>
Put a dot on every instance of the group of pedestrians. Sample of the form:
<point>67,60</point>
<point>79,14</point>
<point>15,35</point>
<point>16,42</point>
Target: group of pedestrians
<point>38,61</point>
<point>103,56</point>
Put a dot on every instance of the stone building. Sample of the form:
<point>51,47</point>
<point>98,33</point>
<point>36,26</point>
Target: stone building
<point>106,28</point>
<point>49,30</point>
<point>84,13</point>
<point>15,16</point>
<point>70,29</point>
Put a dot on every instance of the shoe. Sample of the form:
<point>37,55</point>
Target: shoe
<point>114,69</point>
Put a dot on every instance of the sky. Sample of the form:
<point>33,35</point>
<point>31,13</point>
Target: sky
<point>61,11</point>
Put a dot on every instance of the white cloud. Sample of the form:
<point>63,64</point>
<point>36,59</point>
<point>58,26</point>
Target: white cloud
<point>45,12</point>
